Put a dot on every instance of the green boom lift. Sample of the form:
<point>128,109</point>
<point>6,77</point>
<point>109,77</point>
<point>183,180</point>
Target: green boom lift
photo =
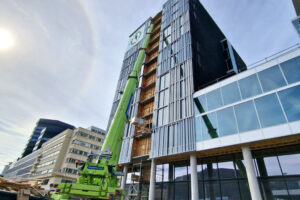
<point>99,180</point>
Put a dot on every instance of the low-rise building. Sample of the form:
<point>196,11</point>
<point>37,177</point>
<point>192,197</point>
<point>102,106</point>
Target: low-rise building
<point>56,161</point>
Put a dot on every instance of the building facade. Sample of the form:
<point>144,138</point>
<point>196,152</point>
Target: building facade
<point>20,168</point>
<point>56,160</point>
<point>205,127</point>
<point>296,21</point>
<point>45,129</point>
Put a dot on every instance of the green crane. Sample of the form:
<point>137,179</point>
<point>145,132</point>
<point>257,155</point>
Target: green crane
<point>99,180</point>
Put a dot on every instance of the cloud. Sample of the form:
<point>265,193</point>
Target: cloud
<point>68,55</point>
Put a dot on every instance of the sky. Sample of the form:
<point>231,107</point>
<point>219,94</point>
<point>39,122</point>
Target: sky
<point>67,54</point>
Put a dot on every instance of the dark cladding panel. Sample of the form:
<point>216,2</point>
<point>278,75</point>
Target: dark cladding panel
<point>213,56</point>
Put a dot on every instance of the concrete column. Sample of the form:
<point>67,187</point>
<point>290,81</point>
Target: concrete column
<point>152,180</point>
<point>250,170</point>
<point>123,183</point>
<point>194,177</point>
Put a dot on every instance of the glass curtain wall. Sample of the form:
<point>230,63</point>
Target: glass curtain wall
<point>224,178</point>
<point>275,108</point>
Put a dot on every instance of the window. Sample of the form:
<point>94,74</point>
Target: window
<point>226,170</point>
<point>249,86</point>
<point>290,164</point>
<point>291,70</point>
<point>209,126</point>
<point>159,173</point>
<point>290,99</point>
<point>70,171</point>
<point>246,116</point>
<point>230,93</point>
<point>164,81</point>
<point>226,122</point>
<point>271,78</point>
<point>49,155</point>
<point>162,116</point>
<point>182,108</point>
<point>79,152</point>
<point>200,104</point>
<point>269,110</point>
<point>268,166</point>
<point>182,89</point>
<point>167,36</point>
<point>214,99</point>
<point>85,144</point>
<point>180,173</point>
<point>163,98</point>
<point>210,171</point>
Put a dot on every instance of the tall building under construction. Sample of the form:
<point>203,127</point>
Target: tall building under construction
<point>203,126</point>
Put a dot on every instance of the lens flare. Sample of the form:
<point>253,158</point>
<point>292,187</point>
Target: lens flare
<point>6,39</point>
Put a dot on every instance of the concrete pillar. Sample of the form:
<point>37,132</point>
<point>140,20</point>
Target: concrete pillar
<point>250,170</point>
<point>152,180</point>
<point>194,177</point>
<point>123,183</point>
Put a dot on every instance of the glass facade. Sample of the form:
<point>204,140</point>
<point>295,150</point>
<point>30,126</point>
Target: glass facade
<point>272,100</point>
<point>224,177</point>
<point>218,178</point>
<point>278,172</point>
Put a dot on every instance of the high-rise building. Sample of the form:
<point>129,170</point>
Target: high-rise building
<point>202,125</point>
<point>56,160</point>
<point>45,129</point>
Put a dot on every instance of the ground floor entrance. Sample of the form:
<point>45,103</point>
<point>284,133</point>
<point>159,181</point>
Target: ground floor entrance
<point>222,177</point>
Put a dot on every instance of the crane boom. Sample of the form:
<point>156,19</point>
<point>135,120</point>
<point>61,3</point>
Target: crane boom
<point>113,139</point>
<point>99,180</point>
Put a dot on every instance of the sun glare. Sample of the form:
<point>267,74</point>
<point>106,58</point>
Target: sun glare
<point>6,39</point>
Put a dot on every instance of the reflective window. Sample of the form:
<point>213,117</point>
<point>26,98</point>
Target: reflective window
<point>159,173</point>
<point>240,168</point>
<point>200,172</point>
<point>209,126</point>
<point>164,81</point>
<point>274,189</point>
<point>163,98</point>
<point>158,191</point>
<point>226,170</point>
<point>212,190</point>
<point>229,189</point>
<point>168,191</point>
<point>291,70</point>
<point>268,166</point>
<point>230,93</point>
<point>165,115</point>
<point>244,189</point>
<point>249,86</point>
<point>201,190</point>
<point>226,122</point>
<point>246,116</point>
<point>290,99</point>
<point>160,117</point>
<point>290,164</point>
<point>214,99</point>
<point>200,104</point>
<point>269,110</point>
<point>181,173</point>
<point>293,185</point>
<point>166,173</point>
<point>210,171</point>
<point>271,78</point>
<point>181,191</point>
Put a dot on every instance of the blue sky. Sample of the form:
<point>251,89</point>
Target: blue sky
<point>67,55</point>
